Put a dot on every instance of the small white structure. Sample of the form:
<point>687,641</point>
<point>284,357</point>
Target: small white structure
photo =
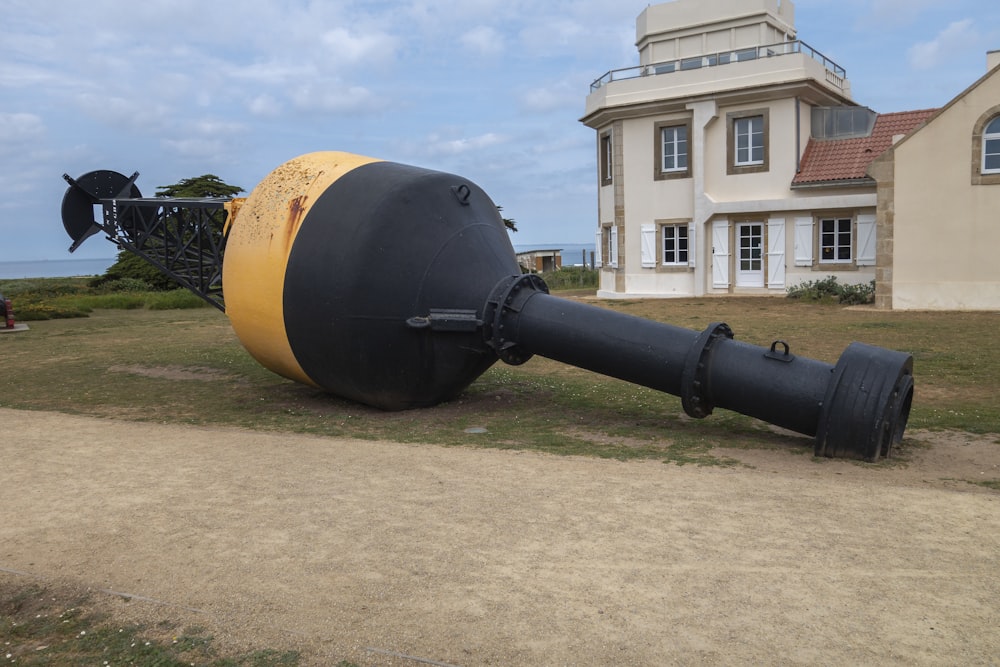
<point>542,260</point>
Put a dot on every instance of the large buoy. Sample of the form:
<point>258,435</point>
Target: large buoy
<point>397,286</point>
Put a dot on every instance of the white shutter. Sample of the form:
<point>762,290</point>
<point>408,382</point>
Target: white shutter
<point>597,249</point>
<point>803,241</point>
<point>720,253</point>
<point>691,245</point>
<point>776,253</point>
<point>613,248</point>
<point>647,245</point>
<point>866,240</point>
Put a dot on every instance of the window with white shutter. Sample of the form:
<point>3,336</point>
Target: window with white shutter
<point>803,241</point>
<point>691,240</point>
<point>866,239</point>
<point>647,245</point>
<point>776,253</point>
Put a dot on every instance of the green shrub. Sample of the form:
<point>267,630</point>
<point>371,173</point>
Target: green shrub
<point>30,311</point>
<point>55,298</point>
<point>133,267</point>
<point>42,288</point>
<point>830,291</point>
<point>125,285</point>
<point>571,277</point>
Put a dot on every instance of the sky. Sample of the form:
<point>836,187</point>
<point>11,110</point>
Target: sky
<point>491,90</point>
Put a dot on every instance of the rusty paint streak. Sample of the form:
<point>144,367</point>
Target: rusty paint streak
<point>296,209</point>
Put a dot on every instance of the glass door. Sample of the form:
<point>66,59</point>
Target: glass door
<point>750,262</point>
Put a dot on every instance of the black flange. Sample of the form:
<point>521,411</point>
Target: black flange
<point>696,394</point>
<point>867,403</point>
<point>500,315</point>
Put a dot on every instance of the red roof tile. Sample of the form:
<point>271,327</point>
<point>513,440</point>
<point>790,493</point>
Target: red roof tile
<point>832,160</point>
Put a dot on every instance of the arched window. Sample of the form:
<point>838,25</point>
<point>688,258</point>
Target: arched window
<point>991,147</point>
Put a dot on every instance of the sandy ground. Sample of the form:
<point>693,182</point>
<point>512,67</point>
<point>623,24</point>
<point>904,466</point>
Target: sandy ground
<point>381,553</point>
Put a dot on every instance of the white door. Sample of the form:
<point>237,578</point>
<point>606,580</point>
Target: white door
<point>750,261</point>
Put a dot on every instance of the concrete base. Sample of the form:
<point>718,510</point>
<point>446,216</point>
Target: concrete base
<point>17,327</point>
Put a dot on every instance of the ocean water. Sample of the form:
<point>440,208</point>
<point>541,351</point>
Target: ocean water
<point>54,268</point>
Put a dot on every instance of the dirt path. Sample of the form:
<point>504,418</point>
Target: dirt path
<point>368,551</point>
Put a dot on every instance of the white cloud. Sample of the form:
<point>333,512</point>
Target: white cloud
<point>484,40</point>
<point>210,127</point>
<point>200,149</point>
<point>133,114</point>
<point>551,98</point>
<point>16,128</point>
<point>900,12</point>
<point>957,38</point>
<point>347,47</point>
<point>265,106</point>
<point>334,97</point>
<point>436,145</point>
<point>268,73</point>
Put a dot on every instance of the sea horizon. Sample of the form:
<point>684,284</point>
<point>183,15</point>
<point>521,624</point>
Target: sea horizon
<point>572,255</point>
<point>54,268</point>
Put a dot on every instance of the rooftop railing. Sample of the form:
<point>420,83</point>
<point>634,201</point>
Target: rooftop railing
<point>835,74</point>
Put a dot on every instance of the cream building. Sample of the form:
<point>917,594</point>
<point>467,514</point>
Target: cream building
<point>733,160</point>
<point>939,206</point>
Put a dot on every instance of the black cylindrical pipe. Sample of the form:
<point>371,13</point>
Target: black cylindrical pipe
<point>857,408</point>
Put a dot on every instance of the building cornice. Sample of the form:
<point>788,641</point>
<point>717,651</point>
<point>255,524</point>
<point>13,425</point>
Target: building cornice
<point>808,91</point>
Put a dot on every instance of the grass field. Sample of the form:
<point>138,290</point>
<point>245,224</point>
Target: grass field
<point>187,366</point>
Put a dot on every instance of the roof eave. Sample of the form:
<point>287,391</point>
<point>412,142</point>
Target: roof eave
<point>836,183</point>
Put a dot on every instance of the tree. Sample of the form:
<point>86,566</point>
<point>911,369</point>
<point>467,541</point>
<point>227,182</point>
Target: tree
<point>131,266</point>
<point>207,185</point>
<point>509,223</point>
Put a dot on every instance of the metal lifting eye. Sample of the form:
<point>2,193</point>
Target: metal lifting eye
<point>779,356</point>
<point>462,193</point>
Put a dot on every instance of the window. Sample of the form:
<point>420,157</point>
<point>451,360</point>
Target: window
<point>675,148</point>
<point>609,246</point>
<point>666,245</point>
<point>986,148</point>
<point>747,135</point>
<point>675,244</point>
<point>671,153</point>
<point>991,147</point>
<point>606,161</point>
<point>836,240</point>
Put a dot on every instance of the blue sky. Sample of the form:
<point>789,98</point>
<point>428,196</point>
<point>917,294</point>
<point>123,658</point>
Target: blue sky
<point>489,89</point>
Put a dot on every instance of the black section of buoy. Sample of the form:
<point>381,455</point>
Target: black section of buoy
<point>386,283</point>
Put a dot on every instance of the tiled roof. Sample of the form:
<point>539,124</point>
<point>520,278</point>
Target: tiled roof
<point>833,160</point>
